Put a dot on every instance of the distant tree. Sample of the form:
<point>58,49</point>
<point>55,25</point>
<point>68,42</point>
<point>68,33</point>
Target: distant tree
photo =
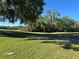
<point>66,22</point>
<point>46,23</point>
<point>53,14</point>
<point>24,10</point>
<point>52,22</point>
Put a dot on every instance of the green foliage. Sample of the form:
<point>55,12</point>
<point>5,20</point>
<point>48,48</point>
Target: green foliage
<point>11,27</point>
<point>25,10</point>
<point>53,22</point>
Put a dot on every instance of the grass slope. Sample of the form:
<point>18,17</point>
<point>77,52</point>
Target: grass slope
<point>23,48</point>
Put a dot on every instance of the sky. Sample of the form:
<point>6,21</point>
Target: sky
<point>65,7</point>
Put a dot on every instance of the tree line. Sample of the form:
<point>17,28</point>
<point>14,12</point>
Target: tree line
<point>51,22</point>
<point>12,27</point>
<point>54,22</point>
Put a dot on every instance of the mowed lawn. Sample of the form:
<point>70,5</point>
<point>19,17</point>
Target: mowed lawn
<point>22,48</point>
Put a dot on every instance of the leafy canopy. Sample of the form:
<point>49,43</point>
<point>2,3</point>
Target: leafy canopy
<point>25,10</point>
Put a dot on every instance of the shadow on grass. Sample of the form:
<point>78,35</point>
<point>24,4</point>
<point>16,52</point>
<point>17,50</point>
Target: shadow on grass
<point>65,38</point>
<point>74,38</point>
<point>14,34</point>
<point>54,41</point>
<point>65,44</point>
<point>71,47</point>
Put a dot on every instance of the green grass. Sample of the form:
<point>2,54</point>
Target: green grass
<point>23,48</point>
<point>55,32</point>
<point>33,49</point>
